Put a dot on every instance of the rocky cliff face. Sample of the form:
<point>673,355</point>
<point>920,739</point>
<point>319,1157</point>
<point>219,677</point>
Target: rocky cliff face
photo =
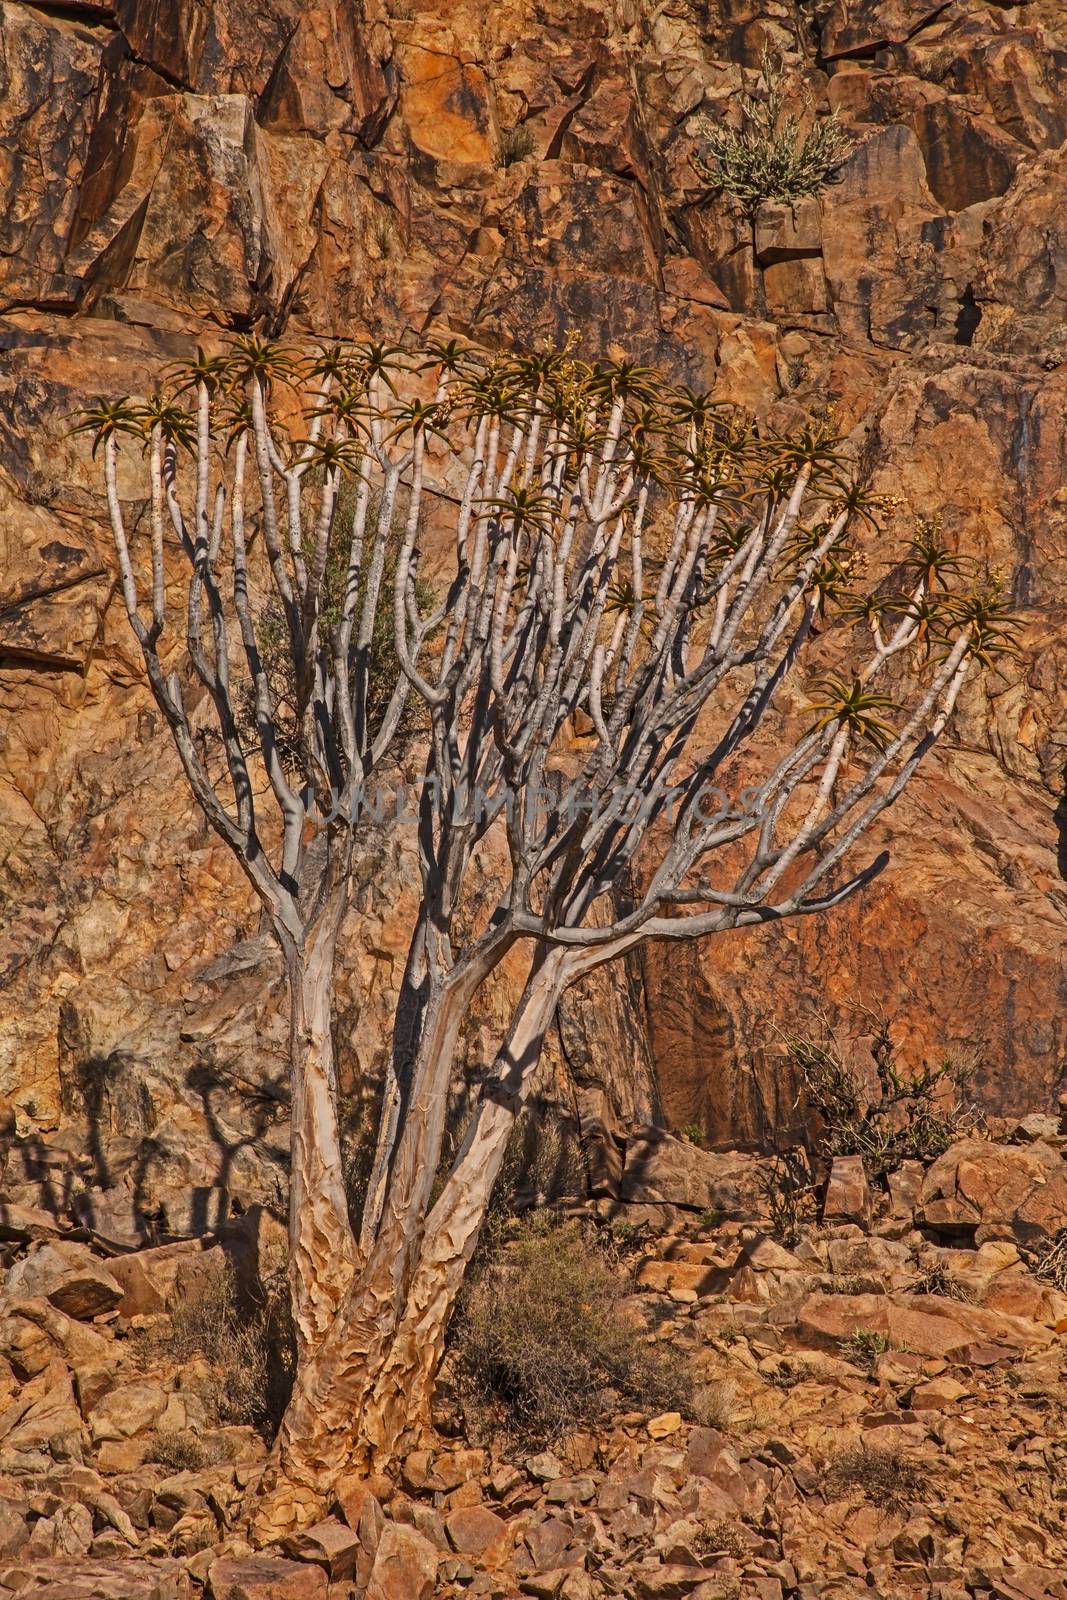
<point>512,171</point>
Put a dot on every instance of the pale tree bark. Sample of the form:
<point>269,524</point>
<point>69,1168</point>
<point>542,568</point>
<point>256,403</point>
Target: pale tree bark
<point>369,1386</point>
<point>323,1255</point>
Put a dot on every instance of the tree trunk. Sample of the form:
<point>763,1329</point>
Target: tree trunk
<point>368,1387</point>
<point>322,1251</point>
<point>404,1391</point>
<point>410,1006</point>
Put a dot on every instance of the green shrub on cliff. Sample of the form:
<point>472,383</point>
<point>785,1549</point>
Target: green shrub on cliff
<point>769,157</point>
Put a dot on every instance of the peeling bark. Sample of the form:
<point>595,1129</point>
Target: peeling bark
<point>322,1250</point>
<point>369,1386</point>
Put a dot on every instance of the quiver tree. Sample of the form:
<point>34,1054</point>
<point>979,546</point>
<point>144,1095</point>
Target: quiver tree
<point>631,578</point>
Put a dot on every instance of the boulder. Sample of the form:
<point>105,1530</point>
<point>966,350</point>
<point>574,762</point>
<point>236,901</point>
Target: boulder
<point>86,1578</point>
<point>127,1411</point>
<point>405,1566</point>
<point>148,1278</point>
<point>26,1221</point>
<point>69,1276</point>
<point>329,1543</point>
<point>998,1191</point>
<point>362,1512</point>
<point>905,1188</point>
<point>33,1333</point>
<point>663,1170</point>
<point>925,1324</point>
<point>43,1422</point>
<point>263,1577</point>
<point>848,1194</point>
<point>113,1216</point>
<point>473,1529</point>
<point>14,1525</point>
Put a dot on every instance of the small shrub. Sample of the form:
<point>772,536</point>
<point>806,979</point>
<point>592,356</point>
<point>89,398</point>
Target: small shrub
<point>184,1452</point>
<point>790,1197</point>
<point>248,1349</point>
<point>1051,1263</point>
<point>938,1280</point>
<point>864,1347</point>
<point>848,1283</point>
<point>912,1117</point>
<point>626,1235</point>
<point>796,372</point>
<point>720,1539</point>
<point>692,1133</point>
<point>713,1404</point>
<point>789,1373</point>
<point>769,157</point>
<point>883,1475</point>
<point>543,1346</point>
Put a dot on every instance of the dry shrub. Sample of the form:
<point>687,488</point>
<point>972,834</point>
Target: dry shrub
<point>542,1163</point>
<point>911,1117</point>
<point>721,1538</point>
<point>789,1194</point>
<point>247,1345</point>
<point>939,1280</point>
<point>1051,1263</point>
<point>543,1345</point>
<point>771,157</point>
<point>516,144</point>
<point>185,1452</point>
<point>713,1404</point>
<point>882,1474</point>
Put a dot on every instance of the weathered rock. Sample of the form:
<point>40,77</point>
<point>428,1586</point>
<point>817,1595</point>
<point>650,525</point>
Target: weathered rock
<point>927,1324</point>
<point>26,1222</point>
<point>43,1422</point>
<point>936,1394</point>
<point>405,1566</point>
<point>1001,1191</point>
<point>14,1525</point>
<point>663,1170</point>
<point>544,1466</point>
<point>361,1511</point>
<point>127,1411</point>
<point>69,1276</point>
<point>265,1578</point>
<point>848,1194</point>
<point>472,1530</point>
<point>148,1278</point>
<point>331,1545</point>
<point>65,1578</point>
<point>33,1333</point>
<point>905,1187</point>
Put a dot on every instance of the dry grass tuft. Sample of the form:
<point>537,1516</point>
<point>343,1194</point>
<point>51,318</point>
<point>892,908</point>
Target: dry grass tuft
<point>883,1475</point>
<point>543,1344</point>
<point>184,1452</point>
<point>1051,1264</point>
<point>938,1280</point>
<point>247,1348</point>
